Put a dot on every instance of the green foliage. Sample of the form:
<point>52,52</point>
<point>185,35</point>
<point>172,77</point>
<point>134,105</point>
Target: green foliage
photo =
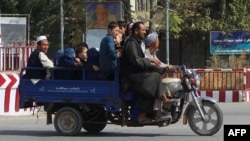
<point>45,18</point>
<point>174,24</point>
<point>233,15</point>
<point>204,16</point>
<point>75,21</point>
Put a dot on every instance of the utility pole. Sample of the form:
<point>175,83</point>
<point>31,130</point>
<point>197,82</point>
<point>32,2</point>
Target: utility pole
<point>62,24</point>
<point>1,63</point>
<point>1,23</point>
<point>167,31</point>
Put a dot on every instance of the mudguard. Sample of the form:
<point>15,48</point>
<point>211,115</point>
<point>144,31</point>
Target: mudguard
<point>192,105</point>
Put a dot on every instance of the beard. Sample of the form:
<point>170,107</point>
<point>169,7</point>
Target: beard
<point>141,37</point>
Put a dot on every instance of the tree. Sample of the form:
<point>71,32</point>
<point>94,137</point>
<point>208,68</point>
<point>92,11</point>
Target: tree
<point>127,10</point>
<point>45,18</point>
<point>233,15</point>
<point>75,20</point>
<point>206,15</point>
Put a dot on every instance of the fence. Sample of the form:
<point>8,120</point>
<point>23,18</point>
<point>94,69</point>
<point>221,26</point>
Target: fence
<point>225,85</point>
<point>14,56</point>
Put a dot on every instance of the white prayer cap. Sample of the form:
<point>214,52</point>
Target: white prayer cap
<point>151,38</point>
<point>40,38</point>
<point>131,25</point>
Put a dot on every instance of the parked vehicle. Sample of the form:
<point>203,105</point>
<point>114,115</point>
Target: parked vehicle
<point>92,104</point>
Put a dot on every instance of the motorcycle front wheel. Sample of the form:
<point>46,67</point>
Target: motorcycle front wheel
<point>211,124</point>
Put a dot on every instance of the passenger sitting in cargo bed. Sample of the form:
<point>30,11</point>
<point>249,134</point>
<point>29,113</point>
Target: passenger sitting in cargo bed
<point>88,58</point>
<point>69,64</point>
<point>108,55</point>
<point>39,59</point>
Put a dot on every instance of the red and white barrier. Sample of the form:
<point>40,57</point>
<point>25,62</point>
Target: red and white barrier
<point>223,95</point>
<point>9,95</point>
<point>247,91</point>
<point>228,95</point>
<point>247,96</point>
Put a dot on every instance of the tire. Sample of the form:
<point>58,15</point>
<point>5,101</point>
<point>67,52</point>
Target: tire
<point>68,121</point>
<point>209,127</point>
<point>96,123</point>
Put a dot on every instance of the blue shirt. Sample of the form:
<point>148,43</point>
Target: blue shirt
<point>107,54</point>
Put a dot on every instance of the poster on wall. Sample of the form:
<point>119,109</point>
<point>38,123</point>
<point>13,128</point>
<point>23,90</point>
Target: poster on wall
<point>233,42</point>
<point>99,14</point>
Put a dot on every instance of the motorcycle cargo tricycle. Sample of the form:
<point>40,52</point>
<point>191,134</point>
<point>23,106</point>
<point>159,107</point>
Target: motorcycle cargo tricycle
<point>91,103</point>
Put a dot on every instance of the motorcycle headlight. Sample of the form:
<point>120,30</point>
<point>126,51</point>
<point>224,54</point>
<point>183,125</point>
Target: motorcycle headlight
<point>195,80</point>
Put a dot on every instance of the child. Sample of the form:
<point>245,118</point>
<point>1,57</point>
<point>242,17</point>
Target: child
<point>82,57</point>
<point>88,58</point>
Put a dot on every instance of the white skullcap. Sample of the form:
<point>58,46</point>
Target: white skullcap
<point>151,38</point>
<point>40,38</point>
<point>131,25</point>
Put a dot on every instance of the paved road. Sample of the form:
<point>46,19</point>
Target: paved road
<point>29,128</point>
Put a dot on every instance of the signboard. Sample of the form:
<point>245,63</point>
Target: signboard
<point>229,43</point>
<point>13,29</point>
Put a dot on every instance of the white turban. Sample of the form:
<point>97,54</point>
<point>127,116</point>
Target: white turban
<point>151,38</point>
<point>40,38</point>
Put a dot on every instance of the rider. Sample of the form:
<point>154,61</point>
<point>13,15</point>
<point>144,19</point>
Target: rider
<point>143,77</point>
<point>152,43</point>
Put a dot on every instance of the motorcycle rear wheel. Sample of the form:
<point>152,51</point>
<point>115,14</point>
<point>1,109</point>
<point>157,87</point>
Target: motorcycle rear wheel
<point>206,127</point>
<point>68,121</point>
<point>96,123</point>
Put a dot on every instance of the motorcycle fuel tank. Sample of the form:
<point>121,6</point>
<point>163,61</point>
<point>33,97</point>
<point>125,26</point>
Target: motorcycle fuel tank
<point>172,85</point>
